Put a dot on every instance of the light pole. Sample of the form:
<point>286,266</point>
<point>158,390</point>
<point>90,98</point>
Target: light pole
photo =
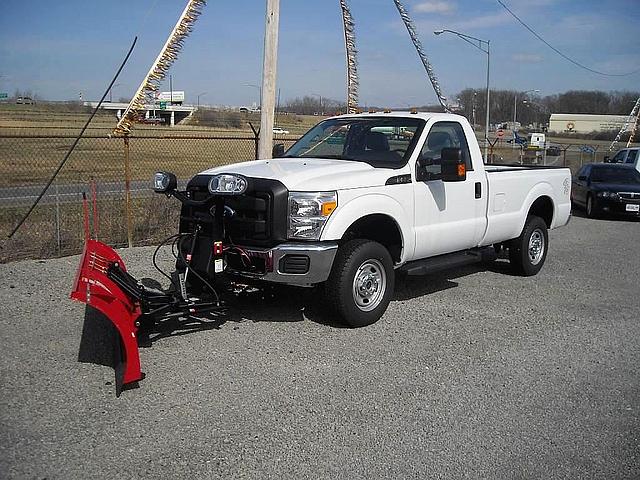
<point>201,95</point>
<point>479,44</point>
<point>255,86</point>
<point>111,91</point>
<point>320,97</point>
<point>515,105</point>
<point>539,106</point>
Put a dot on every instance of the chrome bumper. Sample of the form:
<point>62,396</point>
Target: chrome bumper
<point>320,255</point>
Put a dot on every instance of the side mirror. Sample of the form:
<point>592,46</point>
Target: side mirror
<point>278,150</point>
<point>422,175</point>
<point>454,168</point>
<point>582,178</point>
<point>164,182</point>
<point>606,159</point>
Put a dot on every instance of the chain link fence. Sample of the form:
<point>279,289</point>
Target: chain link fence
<point>572,156</point>
<point>104,168</point>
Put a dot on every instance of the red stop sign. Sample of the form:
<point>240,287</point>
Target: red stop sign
<point>500,133</point>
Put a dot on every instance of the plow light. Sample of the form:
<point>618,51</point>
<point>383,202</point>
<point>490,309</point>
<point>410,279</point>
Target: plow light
<point>164,182</point>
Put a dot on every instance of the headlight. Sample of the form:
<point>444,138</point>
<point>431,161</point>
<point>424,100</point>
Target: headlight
<point>164,182</point>
<point>308,212</point>
<point>611,195</point>
<point>227,184</point>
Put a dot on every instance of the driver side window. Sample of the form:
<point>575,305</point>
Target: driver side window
<point>444,135</point>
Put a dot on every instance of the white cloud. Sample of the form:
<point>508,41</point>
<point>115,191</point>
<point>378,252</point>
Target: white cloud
<point>436,6</point>
<point>484,21</point>
<point>527,57</point>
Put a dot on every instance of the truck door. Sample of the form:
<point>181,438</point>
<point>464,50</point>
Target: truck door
<point>449,216</point>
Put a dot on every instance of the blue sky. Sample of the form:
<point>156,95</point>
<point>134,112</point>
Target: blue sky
<point>57,49</point>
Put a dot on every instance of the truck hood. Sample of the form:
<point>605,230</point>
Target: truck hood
<point>311,174</point>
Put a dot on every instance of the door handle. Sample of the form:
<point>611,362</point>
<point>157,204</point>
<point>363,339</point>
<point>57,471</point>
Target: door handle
<point>478,190</point>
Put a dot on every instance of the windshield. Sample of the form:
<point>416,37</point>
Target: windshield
<point>622,176</point>
<point>379,141</point>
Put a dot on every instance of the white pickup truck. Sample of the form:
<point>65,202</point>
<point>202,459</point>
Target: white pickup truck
<point>360,197</point>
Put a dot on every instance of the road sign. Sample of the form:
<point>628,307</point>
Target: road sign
<point>4,95</point>
<point>500,133</point>
<point>163,105</point>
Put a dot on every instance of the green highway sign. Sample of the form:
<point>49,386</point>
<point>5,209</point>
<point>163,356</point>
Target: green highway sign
<point>4,95</point>
<point>163,105</point>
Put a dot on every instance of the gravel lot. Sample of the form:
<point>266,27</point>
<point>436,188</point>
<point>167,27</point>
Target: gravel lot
<point>472,374</point>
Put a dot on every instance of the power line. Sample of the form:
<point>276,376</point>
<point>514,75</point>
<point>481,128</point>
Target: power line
<point>562,54</point>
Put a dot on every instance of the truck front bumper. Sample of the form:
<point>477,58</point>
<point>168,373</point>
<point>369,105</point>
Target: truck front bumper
<point>301,264</point>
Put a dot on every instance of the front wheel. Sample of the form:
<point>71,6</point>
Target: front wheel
<point>361,282</point>
<point>591,209</point>
<point>528,252</point>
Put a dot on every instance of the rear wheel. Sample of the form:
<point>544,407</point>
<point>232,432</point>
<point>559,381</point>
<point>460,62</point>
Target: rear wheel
<point>528,252</point>
<point>361,282</point>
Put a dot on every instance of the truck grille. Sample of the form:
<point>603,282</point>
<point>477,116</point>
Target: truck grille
<point>256,218</point>
<point>630,196</point>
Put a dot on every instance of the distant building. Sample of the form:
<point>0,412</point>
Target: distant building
<point>586,123</point>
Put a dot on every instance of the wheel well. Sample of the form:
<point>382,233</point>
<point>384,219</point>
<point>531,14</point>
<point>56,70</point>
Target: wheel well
<point>543,208</point>
<point>379,228</point>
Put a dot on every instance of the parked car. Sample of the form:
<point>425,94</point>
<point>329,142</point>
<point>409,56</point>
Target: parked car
<point>628,156</point>
<point>152,120</point>
<point>280,131</point>
<point>25,101</point>
<point>603,188</point>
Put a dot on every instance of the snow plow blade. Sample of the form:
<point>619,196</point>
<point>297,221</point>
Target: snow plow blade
<point>102,283</point>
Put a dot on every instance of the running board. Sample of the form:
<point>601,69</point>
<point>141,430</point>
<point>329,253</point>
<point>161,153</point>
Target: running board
<point>448,261</point>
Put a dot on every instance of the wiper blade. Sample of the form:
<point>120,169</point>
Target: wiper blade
<point>335,157</point>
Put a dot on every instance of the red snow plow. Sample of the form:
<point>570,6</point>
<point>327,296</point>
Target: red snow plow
<point>138,311</point>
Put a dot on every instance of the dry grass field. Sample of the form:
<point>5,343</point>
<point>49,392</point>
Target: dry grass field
<point>35,138</point>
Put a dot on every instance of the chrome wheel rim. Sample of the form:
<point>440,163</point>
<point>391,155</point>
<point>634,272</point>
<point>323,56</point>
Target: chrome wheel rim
<point>536,246</point>
<point>369,285</point>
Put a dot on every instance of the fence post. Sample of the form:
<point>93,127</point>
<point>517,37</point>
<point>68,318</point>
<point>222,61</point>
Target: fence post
<point>58,239</point>
<point>256,139</point>
<point>127,190</point>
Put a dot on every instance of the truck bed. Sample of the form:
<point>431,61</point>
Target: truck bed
<point>513,188</point>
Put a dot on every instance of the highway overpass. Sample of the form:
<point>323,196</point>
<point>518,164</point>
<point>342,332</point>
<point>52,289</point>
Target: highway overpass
<point>170,114</point>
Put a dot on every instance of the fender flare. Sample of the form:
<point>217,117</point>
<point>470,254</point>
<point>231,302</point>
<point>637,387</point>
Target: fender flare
<point>371,204</point>
<point>542,189</point>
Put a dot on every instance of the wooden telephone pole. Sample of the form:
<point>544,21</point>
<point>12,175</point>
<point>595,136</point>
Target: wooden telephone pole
<point>269,67</point>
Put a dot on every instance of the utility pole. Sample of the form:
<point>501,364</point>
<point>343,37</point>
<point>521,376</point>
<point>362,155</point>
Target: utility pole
<point>171,90</point>
<point>269,67</point>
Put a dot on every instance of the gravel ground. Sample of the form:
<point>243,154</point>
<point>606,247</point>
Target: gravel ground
<point>470,374</point>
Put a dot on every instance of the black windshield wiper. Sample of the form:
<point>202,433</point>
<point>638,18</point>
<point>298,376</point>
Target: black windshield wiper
<point>335,157</point>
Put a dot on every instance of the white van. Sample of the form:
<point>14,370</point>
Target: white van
<point>630,156</point>
<point>536,140</point>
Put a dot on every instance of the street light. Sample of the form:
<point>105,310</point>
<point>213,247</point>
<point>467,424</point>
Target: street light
<point>538,106</point>
<point>320,97</point>
<point>515,105</point>
<point>201,95</point>
<point>111,91</point>
<point>479,44</point>
<point>259,89</point>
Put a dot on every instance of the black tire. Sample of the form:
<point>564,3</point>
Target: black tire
<point>591,208</point>
<point>370,264</point>
<point>528,252</point>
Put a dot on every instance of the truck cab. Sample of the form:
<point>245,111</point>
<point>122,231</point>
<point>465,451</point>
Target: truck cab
<point>628,156</point>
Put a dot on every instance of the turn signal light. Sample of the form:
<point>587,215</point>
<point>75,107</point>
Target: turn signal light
<point>328,207</point>
<point>462,170</point>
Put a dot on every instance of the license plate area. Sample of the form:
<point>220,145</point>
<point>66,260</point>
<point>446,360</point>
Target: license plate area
<point>629,207</point>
